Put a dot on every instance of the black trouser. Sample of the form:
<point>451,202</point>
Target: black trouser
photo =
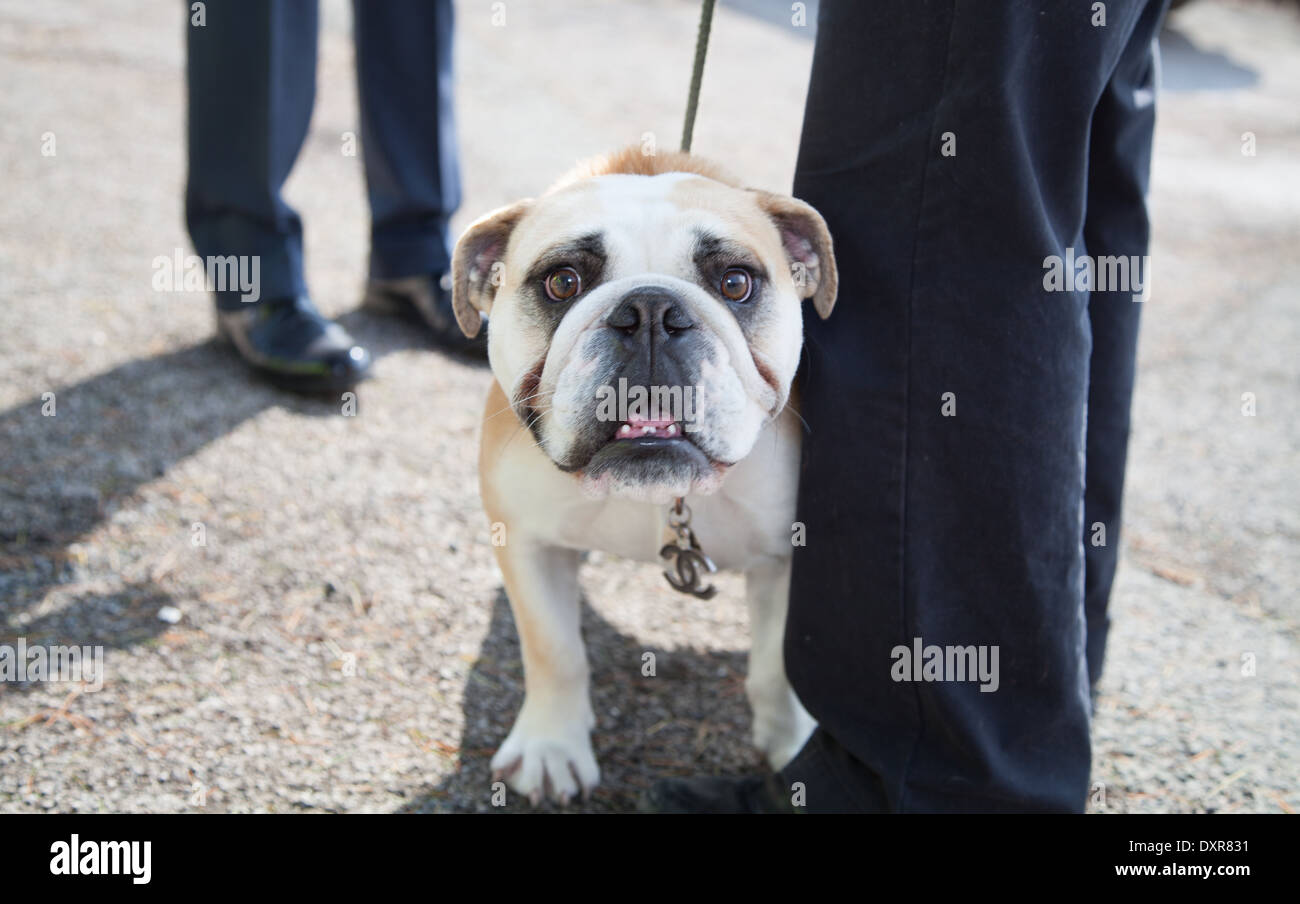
<point>957,408</point>
<point>252,83</point>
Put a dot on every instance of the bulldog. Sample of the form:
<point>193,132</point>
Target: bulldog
<point>634,277</point>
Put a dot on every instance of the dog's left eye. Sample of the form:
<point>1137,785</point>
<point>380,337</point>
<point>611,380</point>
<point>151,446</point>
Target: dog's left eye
<point>562,284</point>
<point>736,284</point>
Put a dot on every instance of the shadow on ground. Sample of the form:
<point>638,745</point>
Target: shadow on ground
<point>690,718</point>
<point>62,476</point>
<point>67,475</point>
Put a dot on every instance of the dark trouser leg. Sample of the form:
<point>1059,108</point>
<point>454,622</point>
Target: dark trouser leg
<point>1116,225</point>
<point>251,81</point>
<point>956,519</point>
<point>408,133</point>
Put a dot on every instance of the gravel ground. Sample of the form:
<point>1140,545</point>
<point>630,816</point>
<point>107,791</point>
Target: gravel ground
<point>344,642</point>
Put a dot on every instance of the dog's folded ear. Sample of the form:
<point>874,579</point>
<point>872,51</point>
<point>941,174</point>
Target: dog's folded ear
<point>478,264</point>
<point>807,244</point>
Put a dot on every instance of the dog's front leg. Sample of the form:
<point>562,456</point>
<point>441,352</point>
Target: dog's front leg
<point>781,724</point>
<point>548,753</point>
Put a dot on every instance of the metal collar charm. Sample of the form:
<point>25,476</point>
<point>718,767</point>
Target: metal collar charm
<point>685,556</point>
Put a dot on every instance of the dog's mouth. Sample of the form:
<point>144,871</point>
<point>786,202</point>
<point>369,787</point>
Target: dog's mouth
<point>646,438</point>
<point>642,439</point>
<point>637,429</point>
<point>661,458</point>
<point>643,458</point>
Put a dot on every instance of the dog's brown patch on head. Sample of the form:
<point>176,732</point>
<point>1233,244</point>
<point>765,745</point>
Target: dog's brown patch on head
<point>632,161</point>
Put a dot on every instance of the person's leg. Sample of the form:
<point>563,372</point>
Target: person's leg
<point>408,135</point>
<point>251,81</point>
<point>942,483</point>
<point>1117,225</point>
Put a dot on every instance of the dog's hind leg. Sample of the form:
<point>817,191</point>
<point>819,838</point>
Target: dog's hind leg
<point>781,724</point>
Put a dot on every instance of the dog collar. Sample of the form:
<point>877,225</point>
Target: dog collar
<point>686,560</point>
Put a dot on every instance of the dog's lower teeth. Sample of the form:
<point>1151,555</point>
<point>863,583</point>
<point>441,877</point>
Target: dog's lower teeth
<point>652,430</point>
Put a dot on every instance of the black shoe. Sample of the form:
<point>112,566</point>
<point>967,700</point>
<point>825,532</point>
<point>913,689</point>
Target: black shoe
<point>750,794</point>
<point>293,346</point>
<point>427,300</point>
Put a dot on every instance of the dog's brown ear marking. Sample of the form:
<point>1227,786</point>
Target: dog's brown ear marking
<point>807,243</point>
<point>478,261</point>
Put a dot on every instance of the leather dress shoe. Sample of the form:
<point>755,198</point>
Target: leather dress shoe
<point>288,342</point>
<point>426,299</point>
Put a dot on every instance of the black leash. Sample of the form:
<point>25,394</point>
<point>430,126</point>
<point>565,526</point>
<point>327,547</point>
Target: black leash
<point>697,74</point>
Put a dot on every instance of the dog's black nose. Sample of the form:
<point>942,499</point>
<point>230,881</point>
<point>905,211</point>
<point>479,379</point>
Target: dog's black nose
<point>650,312</point>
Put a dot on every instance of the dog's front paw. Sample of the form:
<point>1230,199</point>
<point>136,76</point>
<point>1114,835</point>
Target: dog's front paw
<point>548,754</point>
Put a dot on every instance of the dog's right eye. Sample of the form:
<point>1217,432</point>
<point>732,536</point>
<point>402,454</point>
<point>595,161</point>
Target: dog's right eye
<point>562,284</point>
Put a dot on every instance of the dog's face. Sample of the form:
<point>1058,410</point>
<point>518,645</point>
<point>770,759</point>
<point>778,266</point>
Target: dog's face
<point>645,327</point>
